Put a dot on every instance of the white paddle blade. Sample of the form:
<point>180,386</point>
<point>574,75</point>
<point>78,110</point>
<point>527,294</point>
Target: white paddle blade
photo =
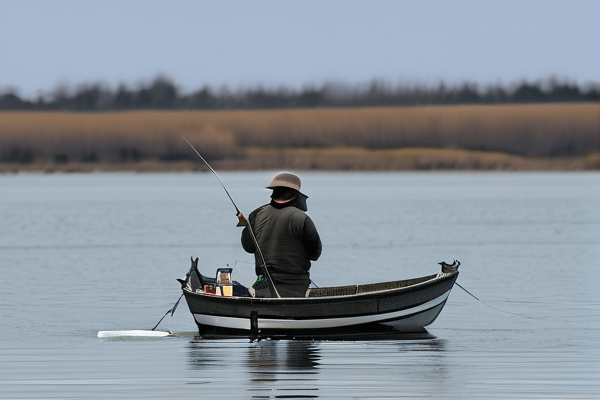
<point>134,333</point>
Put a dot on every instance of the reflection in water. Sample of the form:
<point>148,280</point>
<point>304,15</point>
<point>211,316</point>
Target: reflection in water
<point>433,353</point>
<point>278,356</point>
<point>370,366</point>
<point>272,368</point>
<point>202,356</point>
<point>283,368</point>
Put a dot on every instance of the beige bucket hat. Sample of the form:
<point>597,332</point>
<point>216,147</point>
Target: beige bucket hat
<point>285,179</point>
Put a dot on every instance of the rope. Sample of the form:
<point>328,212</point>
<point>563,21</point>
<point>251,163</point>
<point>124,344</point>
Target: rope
<point>497,309</point>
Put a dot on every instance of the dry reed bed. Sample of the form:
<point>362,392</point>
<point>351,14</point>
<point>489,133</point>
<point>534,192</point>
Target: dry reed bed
<point>347,159</point>
<point>359,159</point>
<point>536,130</point>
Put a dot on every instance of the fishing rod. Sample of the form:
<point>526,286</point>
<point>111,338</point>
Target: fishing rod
<point>213,171</point>
<point>242,219</point>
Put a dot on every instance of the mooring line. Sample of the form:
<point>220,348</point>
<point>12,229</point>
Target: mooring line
<point>497,309</point>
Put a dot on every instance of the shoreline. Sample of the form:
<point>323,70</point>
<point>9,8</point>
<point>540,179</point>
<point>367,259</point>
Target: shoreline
<point>331,159</point>
<point>475,137</point>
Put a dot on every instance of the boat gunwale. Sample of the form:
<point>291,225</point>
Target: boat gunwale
<point>376,293</point>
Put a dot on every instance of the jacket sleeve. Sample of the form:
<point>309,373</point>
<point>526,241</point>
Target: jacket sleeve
<point>247,242</point>
<point>250,247</point>
<point>311,240</point>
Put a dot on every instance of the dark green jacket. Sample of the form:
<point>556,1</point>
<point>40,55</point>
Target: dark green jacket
<point>289,241</point>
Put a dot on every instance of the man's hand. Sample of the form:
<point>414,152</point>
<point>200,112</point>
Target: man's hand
<point>242,220</point>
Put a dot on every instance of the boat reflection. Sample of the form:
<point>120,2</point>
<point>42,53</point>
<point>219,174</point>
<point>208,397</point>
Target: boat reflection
<point>283,368</point>
<point>262,368</point>
<point>272,368</point>
<point>275,356</point>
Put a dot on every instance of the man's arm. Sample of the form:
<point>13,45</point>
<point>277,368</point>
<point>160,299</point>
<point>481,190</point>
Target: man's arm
<point>247,242</point>
<point>311,240</point>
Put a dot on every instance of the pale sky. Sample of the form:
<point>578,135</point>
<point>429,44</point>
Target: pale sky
<point>242,44</point>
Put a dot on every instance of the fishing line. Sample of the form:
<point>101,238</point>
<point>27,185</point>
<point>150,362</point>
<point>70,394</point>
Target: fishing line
<point>497,309</point>
<point>264,266</point>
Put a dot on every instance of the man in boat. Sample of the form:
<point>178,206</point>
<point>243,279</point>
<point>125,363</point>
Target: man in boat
<point>287,237</point>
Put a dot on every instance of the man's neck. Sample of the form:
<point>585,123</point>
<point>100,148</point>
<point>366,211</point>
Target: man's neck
<point>284,201</point>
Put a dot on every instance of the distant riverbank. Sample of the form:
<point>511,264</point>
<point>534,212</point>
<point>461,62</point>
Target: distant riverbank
<point>557,136</point>
<point>335,159</point>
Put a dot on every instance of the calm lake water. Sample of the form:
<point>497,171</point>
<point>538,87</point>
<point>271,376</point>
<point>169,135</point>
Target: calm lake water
<point>80,253</point>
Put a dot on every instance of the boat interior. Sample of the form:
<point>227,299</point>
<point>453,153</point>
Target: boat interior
<point>350,290</point>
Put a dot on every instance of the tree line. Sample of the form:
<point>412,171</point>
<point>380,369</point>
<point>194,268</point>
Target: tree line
<point>163,94</point>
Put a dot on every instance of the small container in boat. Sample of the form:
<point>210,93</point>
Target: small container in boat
<point>224,283</point>
<point>210,289</point>
<point>218,291</point>
<point>227,290</point>
<point>224,276</point>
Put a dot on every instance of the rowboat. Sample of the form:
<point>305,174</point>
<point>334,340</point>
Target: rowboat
<point>406,306</point>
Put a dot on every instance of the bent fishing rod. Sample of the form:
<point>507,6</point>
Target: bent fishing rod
<point>240,216</point>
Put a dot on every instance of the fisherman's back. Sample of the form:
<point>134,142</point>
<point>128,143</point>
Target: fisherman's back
<point>289,241</point>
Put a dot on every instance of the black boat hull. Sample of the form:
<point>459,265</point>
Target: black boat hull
<point>401,306</point>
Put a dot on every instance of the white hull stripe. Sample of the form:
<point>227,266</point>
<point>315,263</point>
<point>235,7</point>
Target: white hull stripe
<point>317,323</point>
<point>267,323</point>
<point>223,322</point>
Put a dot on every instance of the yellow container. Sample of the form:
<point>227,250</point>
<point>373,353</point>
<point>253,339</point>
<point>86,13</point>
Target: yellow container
<point>227,290</point>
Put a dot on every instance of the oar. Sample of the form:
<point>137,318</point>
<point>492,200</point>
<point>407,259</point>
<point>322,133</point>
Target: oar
<point>141,332</point>
<point>133,333</point>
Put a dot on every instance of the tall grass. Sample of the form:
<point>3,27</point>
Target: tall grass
<point>538,130</point>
